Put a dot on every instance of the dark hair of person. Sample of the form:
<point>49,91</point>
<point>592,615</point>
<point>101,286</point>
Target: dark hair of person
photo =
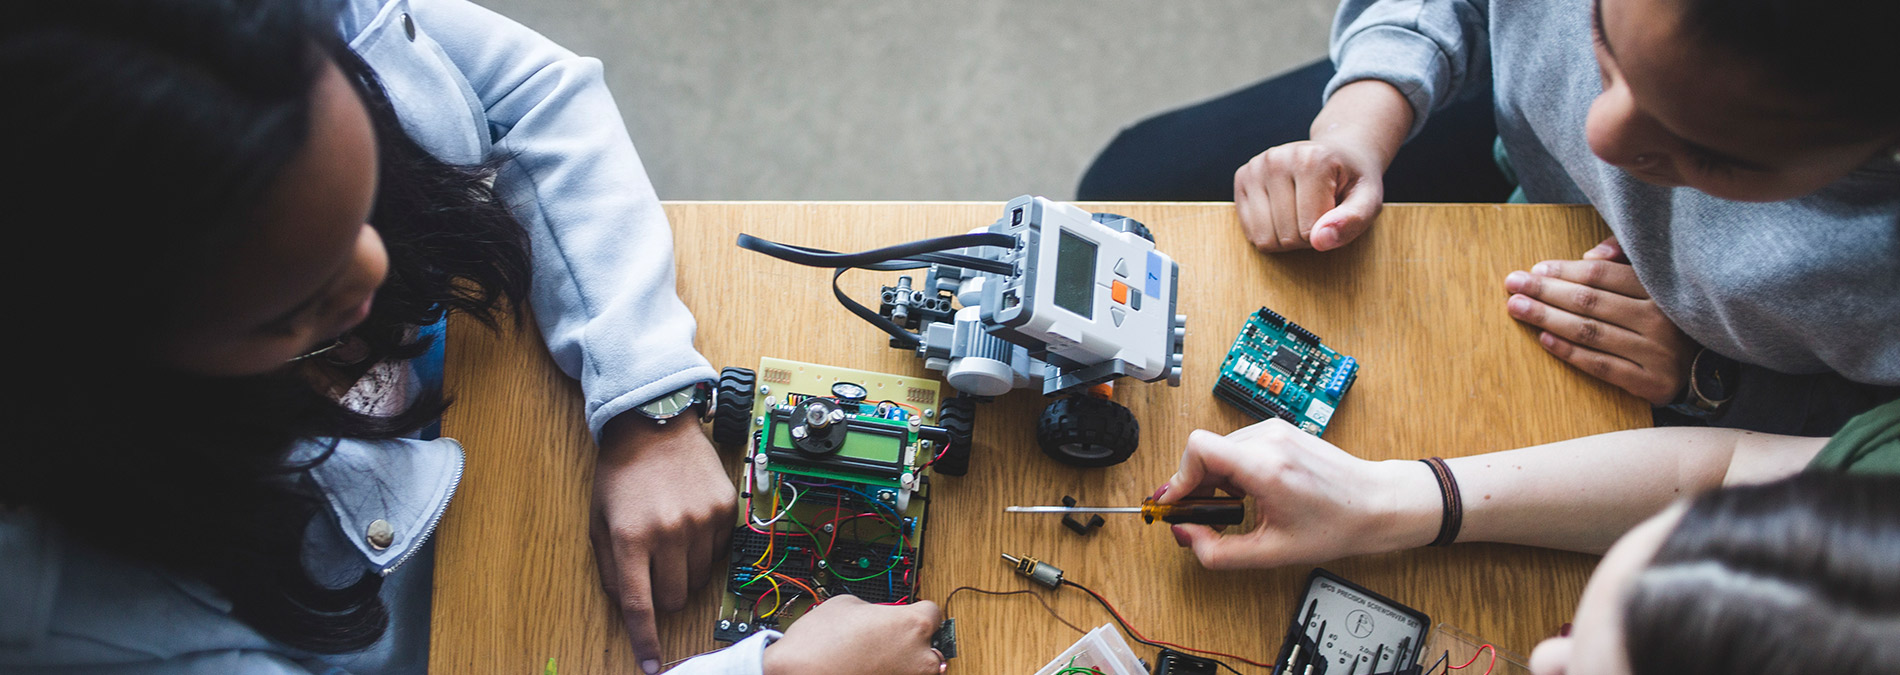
<point>1841,54</point>
<point>1797,576</point>
<point>143,137</point>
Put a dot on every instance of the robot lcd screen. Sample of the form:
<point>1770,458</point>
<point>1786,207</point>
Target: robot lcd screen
<point>1075,274</point>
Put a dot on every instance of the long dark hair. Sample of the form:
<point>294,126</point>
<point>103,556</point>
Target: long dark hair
<point>144,135</point>
<point>1797,576</point>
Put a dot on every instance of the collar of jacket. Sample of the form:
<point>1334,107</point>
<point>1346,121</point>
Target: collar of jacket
<point>387,495</point>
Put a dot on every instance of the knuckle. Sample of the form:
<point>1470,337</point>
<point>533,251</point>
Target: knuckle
<point>1590,332</point>
<point>1599,367</point>
<point>635,605</point>
<point>1587,299</point>
<point>629,535</point>
<point>1594,272</point>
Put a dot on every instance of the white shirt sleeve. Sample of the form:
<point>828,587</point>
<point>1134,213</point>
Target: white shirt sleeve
<point>747,657</point>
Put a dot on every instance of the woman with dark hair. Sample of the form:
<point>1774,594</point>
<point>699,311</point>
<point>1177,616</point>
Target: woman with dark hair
<point>1795,576</point>
<point>1787,562</point>
<point>255,215</point>
<point>1746,155</point>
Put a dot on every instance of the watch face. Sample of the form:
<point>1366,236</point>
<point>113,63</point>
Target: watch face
<point>1714,378</point>
<point>669,405</point>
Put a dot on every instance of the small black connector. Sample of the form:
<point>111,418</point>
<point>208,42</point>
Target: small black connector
<point>1172,662</point>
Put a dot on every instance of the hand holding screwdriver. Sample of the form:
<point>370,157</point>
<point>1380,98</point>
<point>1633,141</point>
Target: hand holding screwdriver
<point>1312,501</point>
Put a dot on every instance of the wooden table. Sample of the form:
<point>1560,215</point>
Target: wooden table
<point>1418,300</point>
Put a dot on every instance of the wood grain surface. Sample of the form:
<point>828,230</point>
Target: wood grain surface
<point>1418,300</point>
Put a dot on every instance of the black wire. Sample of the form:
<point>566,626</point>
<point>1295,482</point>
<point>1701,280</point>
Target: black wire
<point>913,255</point>
<point>1131,632</point>
<point>1441,659</point>
<point>903,337</point>
<point>817,257</point>
<point>1039,598</point>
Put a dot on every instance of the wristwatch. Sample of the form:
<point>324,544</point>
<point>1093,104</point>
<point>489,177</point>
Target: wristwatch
<point>1712,380</point>
<point>678,402</point>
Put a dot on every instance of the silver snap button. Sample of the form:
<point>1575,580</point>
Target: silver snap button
<point>381,534</point>
<point>409,27</point>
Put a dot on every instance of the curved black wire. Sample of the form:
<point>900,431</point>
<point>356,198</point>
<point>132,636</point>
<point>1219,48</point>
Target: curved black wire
<point>910,256</point>
<point>923,249</point>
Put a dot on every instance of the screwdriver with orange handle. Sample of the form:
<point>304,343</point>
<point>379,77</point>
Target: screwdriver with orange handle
<point>1197,510</point>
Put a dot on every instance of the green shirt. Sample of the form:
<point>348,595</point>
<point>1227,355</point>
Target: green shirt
<point>1868,444</point>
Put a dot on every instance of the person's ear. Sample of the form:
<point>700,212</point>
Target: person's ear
<point>1552,656</point>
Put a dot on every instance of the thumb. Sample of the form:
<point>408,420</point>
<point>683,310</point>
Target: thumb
<point>1201,463</point>
<point>1216,551</point>
<point>1351,218</point>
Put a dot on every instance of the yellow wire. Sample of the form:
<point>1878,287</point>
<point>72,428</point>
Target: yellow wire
<point>768,535</point>
<point>777,598</point>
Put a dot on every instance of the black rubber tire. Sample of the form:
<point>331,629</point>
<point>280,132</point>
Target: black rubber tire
<point>957,416</point>
<point>1125,224</point>
<point>732,414</point>
<point>1088,432</point>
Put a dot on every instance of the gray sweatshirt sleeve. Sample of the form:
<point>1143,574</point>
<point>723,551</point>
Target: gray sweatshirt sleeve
<point>1431,50</point>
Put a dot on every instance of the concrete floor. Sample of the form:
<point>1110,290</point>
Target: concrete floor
<point>908,99</point>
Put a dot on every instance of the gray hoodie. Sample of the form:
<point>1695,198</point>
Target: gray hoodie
<point>1800,286</point>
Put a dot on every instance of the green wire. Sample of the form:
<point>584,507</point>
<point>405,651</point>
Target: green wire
<point>767,573</point>
<point>887,570</point>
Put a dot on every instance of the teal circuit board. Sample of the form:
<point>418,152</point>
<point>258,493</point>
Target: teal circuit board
<point>1278,369</point>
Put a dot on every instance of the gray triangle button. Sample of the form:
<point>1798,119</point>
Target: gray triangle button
<point>1121,267</point>
<point>1117,314</point>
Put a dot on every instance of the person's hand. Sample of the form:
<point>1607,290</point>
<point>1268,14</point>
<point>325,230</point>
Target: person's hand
<point>663,510</point>
<point>1312,501</point>
<point>1323,193</point>
<point>848,636</point>
<point>1308,194</point>
<point>1596,316</point>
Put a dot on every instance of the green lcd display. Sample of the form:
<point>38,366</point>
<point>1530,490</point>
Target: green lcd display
<point>1075,274</point>
<point>857,445</point>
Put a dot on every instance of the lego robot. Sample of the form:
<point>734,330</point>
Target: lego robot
<point>1048,296</point>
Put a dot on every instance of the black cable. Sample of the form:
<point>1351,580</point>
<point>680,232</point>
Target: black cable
<point>913,255</point>
<point>1039,598</point>
<point>1131,632</point>
<point>816,257</point>
<point>903,337</point>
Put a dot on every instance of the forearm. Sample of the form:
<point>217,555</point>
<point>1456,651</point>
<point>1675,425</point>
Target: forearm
<point>1367,114</point>
<point>1583,494</point>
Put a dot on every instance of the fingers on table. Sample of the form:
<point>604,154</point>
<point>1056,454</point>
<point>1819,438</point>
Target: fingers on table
<point>1608,275</point>
<point>636,602</point>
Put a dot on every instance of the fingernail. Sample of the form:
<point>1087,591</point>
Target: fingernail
<point>651,666</point>
<point>1160,491</point>
<point>1518,304</point>
<point>1564,630</point>
<point>1180,540</point>
<point>1515,281</point>
<point>1547,340</point>
<point>1541,269</point>
<point>1602,251</point>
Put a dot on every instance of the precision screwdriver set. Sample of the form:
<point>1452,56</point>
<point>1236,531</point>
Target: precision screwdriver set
<point>1341,628</point>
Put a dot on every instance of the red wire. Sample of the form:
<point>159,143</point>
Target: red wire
<point>1474,659</point>
<point>1143,638</point>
